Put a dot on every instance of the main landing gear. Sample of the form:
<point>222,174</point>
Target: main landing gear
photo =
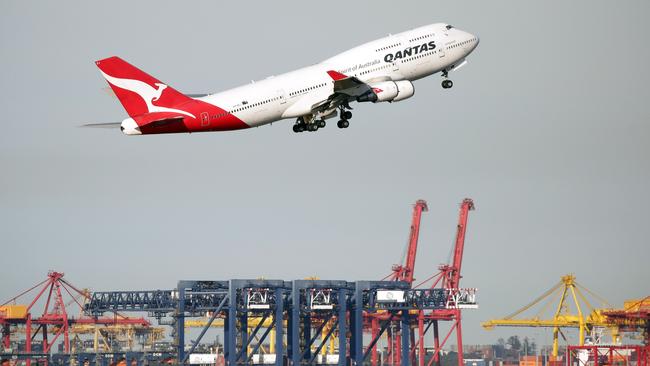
<point>345,116</point>
<point>301,125</point>
<point>446,83</point>
<point>310,123</point>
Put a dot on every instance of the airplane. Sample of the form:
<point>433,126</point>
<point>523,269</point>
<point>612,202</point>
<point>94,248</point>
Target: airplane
<point>378,71</point>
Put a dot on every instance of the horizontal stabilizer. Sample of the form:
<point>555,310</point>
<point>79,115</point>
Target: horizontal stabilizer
<point>103,125</point>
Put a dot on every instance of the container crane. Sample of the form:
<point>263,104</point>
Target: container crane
<point>566,288</point>
<point>451,273</point>
<point>448,278</point>
<point>634,317</point>
<point>54,321</point>
<point>406,271</point>
<point>401,272</point>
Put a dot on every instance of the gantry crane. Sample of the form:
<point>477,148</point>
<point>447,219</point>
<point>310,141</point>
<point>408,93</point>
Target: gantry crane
<point>448,278</point>
<point>634,317</point>
<point>405,272</point>
<point>401,272</point>
<point>55,320</point>
<point>562,317</point>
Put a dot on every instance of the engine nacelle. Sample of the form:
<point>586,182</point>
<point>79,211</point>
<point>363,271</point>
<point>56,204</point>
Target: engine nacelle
<point>405,90</point>
<point>388,91</point>
<point>385,90</point>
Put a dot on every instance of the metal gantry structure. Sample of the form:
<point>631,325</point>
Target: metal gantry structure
<point>405,272</point>
<point>634,317</point>
<point>447,279</point>
<point>304,313</point>
<point>595,355</point>
<point>298,319</point>
<point>55,322</point>
<point>569,294</point>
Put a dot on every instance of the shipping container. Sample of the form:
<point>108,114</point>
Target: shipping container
<point>13,311</point>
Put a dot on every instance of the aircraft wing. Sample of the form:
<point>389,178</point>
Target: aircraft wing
<point>348,85</point>
<point>346,89</point>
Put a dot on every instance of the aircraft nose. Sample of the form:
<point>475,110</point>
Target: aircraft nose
<point>474,41</point>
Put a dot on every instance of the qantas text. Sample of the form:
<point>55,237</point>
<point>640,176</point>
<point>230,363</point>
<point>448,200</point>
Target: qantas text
<point>410,51</point>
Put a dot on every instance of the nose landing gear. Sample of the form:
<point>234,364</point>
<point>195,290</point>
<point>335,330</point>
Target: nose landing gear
<point>446,83</point>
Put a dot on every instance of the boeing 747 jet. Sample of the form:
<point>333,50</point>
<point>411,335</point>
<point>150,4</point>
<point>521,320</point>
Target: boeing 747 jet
<point>377,71</point>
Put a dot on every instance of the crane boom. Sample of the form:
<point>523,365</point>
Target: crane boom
<point>405,272</point>
<point>452,272</point>
<point>569,293</point>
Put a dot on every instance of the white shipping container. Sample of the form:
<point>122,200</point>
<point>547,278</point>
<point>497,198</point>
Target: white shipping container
<point>390,296</point>
<point>266,359</point>
<point>203,359</point>
<point>329,359</point>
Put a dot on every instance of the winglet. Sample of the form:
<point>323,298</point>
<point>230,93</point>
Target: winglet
<point>335,75</point>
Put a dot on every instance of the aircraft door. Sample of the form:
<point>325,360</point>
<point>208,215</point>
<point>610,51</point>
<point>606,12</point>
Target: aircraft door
<point>205,119</point>
<point>395,66</point>
<point>441,51</point>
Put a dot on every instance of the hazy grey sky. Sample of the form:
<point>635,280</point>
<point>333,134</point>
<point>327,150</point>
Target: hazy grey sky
<point>546,128</point>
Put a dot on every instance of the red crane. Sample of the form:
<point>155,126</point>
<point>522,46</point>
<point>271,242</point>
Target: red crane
<point>405,272</point>
<point>402,272</point>
<point>54,316</point>
<point>448,278</point>
<point>451,273</point>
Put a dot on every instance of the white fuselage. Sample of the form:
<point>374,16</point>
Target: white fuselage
<point>403,56</point>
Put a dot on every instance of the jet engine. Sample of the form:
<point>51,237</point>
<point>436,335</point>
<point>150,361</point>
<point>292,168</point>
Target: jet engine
<point>388,91</point>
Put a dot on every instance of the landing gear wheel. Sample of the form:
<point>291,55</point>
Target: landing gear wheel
<point>300,125</point>
<point>322,123</point>
<point>346,115</point>
<point>312,127</point>
<point>343,123</point>
<point>446,84</point>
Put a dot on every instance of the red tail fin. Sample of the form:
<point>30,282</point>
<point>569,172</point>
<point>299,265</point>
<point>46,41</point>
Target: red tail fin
<point>138,91</point>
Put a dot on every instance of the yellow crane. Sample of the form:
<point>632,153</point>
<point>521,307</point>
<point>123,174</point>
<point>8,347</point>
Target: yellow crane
<point>568,291</point>
<point>121,332</point>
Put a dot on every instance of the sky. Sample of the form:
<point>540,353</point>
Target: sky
<point>546,128</point>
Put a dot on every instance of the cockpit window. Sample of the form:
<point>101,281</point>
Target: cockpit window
<point>449,26</point>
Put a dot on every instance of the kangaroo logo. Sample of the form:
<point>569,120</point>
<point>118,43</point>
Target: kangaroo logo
<point>148,93</point>
<point>160,89</point>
